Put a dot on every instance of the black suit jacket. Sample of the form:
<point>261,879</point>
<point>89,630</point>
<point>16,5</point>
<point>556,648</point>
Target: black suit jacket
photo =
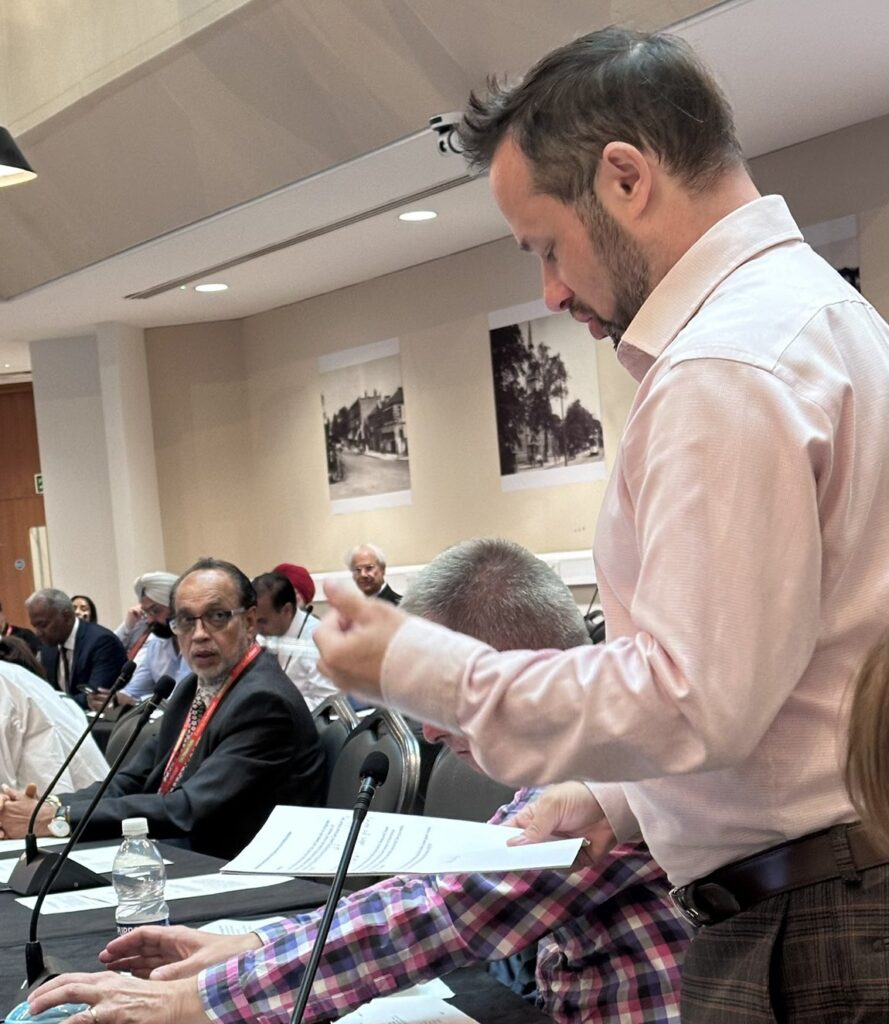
<point>386,593</point>
<point>98,658</point>
<point>260,749</point>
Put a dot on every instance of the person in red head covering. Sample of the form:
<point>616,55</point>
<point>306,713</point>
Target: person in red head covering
<point>302,582</point>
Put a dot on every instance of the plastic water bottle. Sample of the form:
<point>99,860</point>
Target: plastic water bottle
<point>139,875</point>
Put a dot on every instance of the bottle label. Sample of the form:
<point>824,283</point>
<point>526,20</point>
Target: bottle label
<point>124,929</point>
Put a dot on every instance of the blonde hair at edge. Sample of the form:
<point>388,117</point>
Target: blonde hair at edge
<point>867,760</point>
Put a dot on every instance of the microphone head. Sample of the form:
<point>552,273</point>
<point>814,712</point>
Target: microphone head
<point>375,766</point>
<point>126,674</point>
<point>163,689</point>
<point>309,608</point>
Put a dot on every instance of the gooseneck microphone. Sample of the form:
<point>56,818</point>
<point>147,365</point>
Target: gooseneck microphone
<point>308,610</point>
<point>38,969</point>
<point>373,774</point>
<point>34,865</point>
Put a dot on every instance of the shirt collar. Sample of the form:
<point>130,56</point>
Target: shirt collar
<point>69,643</point>
<point>732,241</point>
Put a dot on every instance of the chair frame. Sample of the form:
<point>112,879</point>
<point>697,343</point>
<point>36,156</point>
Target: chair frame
<point>409,745</point>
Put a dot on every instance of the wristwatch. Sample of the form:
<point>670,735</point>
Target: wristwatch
<point>60,824</point>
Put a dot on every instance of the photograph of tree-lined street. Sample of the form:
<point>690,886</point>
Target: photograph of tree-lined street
<point>365,427</point>
<point>546,394</point>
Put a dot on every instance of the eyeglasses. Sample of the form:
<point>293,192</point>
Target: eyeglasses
<point>213,621</point>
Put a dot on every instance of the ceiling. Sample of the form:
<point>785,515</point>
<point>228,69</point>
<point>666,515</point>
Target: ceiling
<point>297,126</point>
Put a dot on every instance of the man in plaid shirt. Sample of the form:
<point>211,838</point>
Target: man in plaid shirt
<point>609,943</point>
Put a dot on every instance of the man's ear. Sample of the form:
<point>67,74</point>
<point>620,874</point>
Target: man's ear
<point>624,180</point>
<point>250,621</point>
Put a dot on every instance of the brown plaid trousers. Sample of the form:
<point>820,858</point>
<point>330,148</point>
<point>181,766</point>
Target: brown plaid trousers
<point>818,955</point>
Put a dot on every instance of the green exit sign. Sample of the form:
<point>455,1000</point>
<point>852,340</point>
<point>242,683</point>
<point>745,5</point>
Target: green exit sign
<point>38,483</point>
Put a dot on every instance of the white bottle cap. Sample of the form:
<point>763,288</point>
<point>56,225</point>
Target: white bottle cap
<point>135,826</point>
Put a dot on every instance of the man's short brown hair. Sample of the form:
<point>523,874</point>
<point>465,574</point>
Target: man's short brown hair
<point>615,85</point>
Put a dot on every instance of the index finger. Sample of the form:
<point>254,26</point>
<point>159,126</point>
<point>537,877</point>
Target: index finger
<point>139,940</point>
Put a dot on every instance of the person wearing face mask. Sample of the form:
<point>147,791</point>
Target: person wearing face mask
<point>161,654</point>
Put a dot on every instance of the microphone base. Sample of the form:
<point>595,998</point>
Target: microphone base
<point>42,969</point>
<point>29,876</point>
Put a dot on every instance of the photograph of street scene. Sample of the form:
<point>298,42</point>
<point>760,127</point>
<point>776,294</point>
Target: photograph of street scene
<point>546,394</point>
<point>365,427</point>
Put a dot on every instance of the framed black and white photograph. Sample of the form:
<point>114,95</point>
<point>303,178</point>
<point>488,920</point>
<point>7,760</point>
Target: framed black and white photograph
<point>365,427</point>
<point>546,395</point>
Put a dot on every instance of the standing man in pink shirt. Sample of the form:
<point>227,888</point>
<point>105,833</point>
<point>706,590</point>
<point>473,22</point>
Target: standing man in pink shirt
<point>742,549</point>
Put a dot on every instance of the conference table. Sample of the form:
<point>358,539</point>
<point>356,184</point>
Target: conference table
<point>77,938</point>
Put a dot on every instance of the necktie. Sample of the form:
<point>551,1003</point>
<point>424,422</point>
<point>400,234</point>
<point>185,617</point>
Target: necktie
<point>195,714</point>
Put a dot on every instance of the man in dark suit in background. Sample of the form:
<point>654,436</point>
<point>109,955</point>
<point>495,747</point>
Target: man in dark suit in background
<point>77,656</point>
<point>367,564</point>
<point>236,738</point>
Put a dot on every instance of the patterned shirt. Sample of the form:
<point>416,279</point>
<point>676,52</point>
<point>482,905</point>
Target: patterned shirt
<point>610,944</point>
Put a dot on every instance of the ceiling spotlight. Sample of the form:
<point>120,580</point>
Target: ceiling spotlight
<point>216,287</point>
<point>418,215</point>
<point>14,168</point>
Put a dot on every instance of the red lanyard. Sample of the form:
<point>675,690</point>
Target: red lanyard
<point>138,645</point>
<point>185,747</point>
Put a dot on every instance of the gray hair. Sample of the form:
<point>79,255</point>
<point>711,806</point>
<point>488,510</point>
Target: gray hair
<point>372,548</point>
<point>55,600</point>
<point>500,593</point>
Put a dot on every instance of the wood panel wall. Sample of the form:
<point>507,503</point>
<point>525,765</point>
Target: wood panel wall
<point>20,507</point>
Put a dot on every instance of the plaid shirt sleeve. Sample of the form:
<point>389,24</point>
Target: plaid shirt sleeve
<point>396,933</point>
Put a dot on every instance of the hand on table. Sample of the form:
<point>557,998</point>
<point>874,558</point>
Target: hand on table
<point>16,808</point>
<point>353,638</point>
<point>172,952</point>
<point>114,999</point>
<point>566,810</point>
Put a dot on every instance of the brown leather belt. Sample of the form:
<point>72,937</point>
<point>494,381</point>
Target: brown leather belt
<point>836,852</point>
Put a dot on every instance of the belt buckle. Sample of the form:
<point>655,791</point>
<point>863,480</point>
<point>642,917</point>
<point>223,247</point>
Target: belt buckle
<point>683,900</point>
<point>705,902</point>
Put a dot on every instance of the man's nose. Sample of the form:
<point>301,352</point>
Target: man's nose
<point>556,294</point>
<point>200,630</point>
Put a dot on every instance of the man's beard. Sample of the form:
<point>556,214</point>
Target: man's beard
<point>626,265</point>
<point>161,629</point>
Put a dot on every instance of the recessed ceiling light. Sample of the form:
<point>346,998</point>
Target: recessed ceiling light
<point>6,366</point>
<point>217,287</point>
<point>418,215</point>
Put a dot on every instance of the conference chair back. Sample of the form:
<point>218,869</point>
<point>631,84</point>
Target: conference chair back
<point>334,720</point>
<point>386,731</point>
<point>456,790</point>
<point>123,729</point>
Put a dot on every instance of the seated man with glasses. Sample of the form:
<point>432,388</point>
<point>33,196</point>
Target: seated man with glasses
<point>236,738</point>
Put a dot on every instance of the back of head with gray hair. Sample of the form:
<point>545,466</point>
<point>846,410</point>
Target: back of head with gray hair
<point>56,600</point>
<point>497,591</point>
<point>372,548</point>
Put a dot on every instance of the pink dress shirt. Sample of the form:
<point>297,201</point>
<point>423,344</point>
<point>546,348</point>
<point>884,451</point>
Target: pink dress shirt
<point>742,554</point>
